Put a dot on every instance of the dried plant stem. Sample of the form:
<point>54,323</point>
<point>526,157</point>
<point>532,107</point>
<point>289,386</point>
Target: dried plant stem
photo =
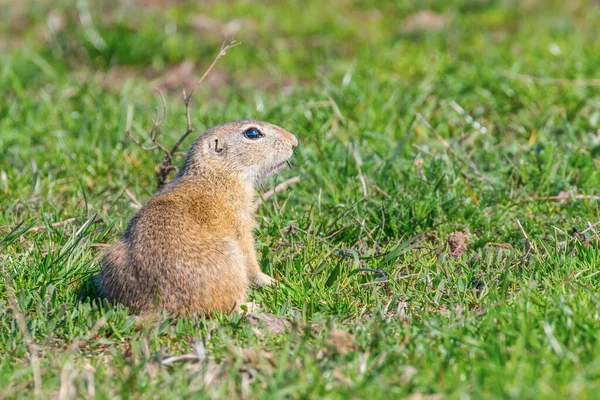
<point>33,353</point>
<point>279,188</point>
<point>43,227</point>
<point>542,80</point>
<point>528,242</point>
<point>164,169</point>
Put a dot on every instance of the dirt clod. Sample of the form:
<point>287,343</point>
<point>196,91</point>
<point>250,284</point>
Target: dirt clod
<point>457,243</point>
<point>269,322</point>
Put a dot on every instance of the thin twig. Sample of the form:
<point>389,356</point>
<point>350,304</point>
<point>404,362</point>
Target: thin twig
<point>379,190</point>
<point>140,145</point>
<point>154,130</point>
<point>590,227</point>
<point>165,168</point>
<point>33,354</point>
<point>336,232</point>
<point>157,123</point>
<point>527,240</point>
<point>279,188</point>
<point>374,282</point>
<point>225,46</point>
<point>188,118</point>
<point>293,227</point>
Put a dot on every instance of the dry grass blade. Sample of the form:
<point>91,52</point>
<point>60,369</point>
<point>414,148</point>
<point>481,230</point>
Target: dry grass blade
<point>183,357</point>
<point>564,196</point>
<point>475,124</point>
<point>437,135</point>
<point>590,227</point>
<point>135,201</point>
<point>33,354</point>
<point>379,190</point>
<point>361,177</point>
<point>542,80</point>
<point>43,227</point>
<point>369,235</point>
<point>528,242</point>
<point>279,188</point>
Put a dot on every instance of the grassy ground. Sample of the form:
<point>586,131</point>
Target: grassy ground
<point>477,117</point>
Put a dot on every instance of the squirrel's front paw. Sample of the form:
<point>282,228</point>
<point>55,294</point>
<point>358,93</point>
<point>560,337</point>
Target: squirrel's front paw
<point>263,280</point>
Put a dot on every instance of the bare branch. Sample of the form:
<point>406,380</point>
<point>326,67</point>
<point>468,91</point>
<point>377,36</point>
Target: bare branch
<point>188,97</point>
<point>157,123</point>
<point>164,169</point>
<point>186,101</point>
<point>190,128</point>
<point>140,145</point>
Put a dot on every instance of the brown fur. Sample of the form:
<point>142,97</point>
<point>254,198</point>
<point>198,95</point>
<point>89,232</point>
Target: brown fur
<point>191,247</point>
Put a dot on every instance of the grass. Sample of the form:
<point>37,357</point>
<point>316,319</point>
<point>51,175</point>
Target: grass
<point>377,304</point>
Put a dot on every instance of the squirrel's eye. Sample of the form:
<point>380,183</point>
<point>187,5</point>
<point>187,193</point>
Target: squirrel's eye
<point>253,133</point>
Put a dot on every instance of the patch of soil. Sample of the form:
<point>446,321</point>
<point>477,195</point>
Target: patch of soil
<point>271,323</point>
<point>457,243</point>
<point>340,342</point>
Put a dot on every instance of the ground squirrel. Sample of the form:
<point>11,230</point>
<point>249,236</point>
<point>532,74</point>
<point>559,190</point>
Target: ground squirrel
<point>190,249</point>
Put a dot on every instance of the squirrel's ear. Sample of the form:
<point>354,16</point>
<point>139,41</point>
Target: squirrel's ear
<point>216,146</point>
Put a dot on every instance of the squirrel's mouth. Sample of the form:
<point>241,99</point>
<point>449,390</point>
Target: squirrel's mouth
<point>279,166</point>
<point>275,168</point>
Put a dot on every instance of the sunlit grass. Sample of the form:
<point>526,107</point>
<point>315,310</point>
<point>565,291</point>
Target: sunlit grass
<point>484,123</point>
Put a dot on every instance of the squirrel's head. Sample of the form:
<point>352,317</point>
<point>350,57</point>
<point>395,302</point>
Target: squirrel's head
<point>249,149</point>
